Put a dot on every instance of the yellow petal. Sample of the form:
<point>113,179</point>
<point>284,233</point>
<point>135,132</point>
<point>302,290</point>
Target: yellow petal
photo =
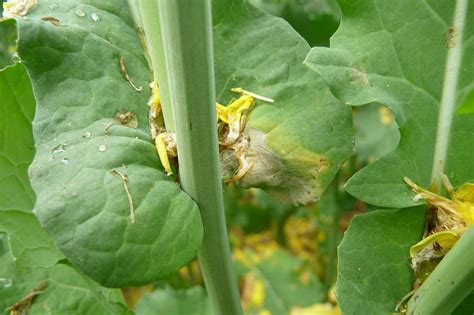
<point>446,239</point>
<point>163,153</point>
<point>220,110</point>
<point>465,193</point>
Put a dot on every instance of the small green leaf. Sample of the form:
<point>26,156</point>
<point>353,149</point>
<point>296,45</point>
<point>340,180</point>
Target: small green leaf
<point>90,170</point>
<point>193,301</point>
<point>396,54</point>
<point>374,260</point>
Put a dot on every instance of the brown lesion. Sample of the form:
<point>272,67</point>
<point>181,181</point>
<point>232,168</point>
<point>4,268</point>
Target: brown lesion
<point>52,20</point>
<point>451,36</point>
<point>22,306</point>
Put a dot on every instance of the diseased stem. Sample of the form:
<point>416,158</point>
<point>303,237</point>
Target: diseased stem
<point>450,282</point>
<point>448,99</point>
<point>187,31</point>
<point>151,24</point>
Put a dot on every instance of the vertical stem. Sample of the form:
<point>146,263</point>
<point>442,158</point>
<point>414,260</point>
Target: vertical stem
<point>187,31</point>
<point>151,23</point>
<point>448,99</point>
<point>450,282</point>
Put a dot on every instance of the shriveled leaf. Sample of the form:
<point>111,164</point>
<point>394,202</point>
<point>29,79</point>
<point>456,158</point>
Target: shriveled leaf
<point>297,143</point>
<point>29,243</point>
<point>276,282</point>
<point>64,291</point>
<point>395,53</point>
<point>193,301</point>
<point>374,260</point>
<point>90,169</point>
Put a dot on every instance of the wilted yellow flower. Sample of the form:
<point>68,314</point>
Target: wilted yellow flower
<point>453,217</point>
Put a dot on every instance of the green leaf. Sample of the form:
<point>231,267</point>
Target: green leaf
<point>298,142</point>
<point>395,54</point>
<point>29,243</point>
<point>7,43</point>
<point>376,132</point>
<point>285,282</point>
<point>316,20</point>
<point>67,291</point>
<point>16,142</point>
<point>72,58</point>
<point>374,260</point>
<point>193,301</point>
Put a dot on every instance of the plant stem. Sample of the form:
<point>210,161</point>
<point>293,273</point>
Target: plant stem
<point>151,24</point>
<point>187,31</point>
<point>448,98</point>
<point>450,282</point>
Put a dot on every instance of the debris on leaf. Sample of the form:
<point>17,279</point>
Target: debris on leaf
<point>21,307</point>
<point>124,179</point>
<point>165,144</point>
<point>51,19</point>
<point>124,72</point>
<point>448,220</point>
<point>14,8</point>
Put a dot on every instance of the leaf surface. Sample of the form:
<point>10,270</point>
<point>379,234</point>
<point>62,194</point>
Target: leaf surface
<point>374,260</point>
<point>72,52</point>
<point>29,243</point>
<point>395,54</point>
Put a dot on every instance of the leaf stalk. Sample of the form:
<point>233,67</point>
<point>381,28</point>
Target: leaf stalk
<point>186,28</point>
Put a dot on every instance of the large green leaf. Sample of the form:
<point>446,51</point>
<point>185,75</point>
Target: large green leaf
<point>374,266</point>
<point>72,57</point>
<point>67,291</point>
<point>298,142</point>
<point>193,301</point>
<point>29,244</point>
<point>395,53</point>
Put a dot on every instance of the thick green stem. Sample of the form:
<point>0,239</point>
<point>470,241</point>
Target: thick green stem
<point>448,98</point>
<point>450,282</point>
<point>187,31</point>
<point>151,23</point>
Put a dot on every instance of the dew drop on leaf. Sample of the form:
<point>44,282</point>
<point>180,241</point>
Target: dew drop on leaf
<point>53,6</point>
<point>95,17</point>
<point>5,283</point>
<point>102,148</point>
<point>65,161</point>
<point>86,134</point>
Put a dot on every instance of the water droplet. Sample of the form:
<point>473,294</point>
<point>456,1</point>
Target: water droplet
<point>5,283</point>
<point>95,17</point>
<point>53,6</point>
<point>79,13</point>
<point>86,134</point>
<point>60,148</point>
<point>65,161</point>
<point>102,148</point>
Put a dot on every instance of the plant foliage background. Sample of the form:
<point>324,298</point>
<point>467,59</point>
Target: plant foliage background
<point>376,82</point>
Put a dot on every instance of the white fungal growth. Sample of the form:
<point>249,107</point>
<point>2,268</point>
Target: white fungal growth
<point>14,8</point>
